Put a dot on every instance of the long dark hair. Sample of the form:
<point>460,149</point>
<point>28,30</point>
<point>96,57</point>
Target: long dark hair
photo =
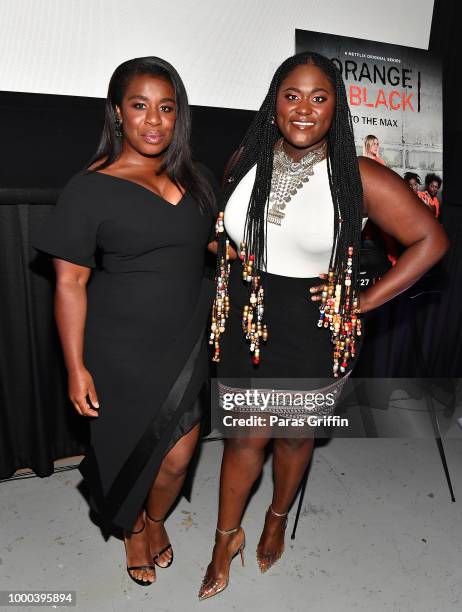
<point>342,165</point>
<point>338,308</point>
<point>177,160</point>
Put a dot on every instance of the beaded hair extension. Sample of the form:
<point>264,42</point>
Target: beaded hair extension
<point>339,304</point>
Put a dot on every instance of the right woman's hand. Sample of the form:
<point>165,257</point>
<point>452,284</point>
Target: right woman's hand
<point>81,385</point>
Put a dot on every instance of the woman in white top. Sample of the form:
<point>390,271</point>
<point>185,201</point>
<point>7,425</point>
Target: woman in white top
<point>295,197</point>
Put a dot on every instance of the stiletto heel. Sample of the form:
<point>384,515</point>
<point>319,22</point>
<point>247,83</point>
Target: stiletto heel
<point>141,567</point>
<point>169,546</point>
<point>266,560</point>
<point>218,586</point>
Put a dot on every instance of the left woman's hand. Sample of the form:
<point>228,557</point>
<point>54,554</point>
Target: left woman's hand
<point>213,246</point>
<point>318,289</point>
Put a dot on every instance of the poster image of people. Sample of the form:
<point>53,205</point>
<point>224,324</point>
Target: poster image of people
<point>395,98</point>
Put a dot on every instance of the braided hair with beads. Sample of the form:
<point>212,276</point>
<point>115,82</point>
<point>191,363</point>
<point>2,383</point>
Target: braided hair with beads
<point>339,305</point>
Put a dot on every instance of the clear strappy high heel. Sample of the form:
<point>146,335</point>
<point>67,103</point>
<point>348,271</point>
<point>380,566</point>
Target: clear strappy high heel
<point>219,585</point>
<point>266,560</point>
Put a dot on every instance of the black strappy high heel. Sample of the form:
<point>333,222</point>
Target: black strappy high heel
<point>169,546</point>
<point>141,567</point>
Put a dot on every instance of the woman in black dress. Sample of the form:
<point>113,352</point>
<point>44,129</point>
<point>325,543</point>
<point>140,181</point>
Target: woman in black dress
<point>128,238</point>
<point>295,197</point>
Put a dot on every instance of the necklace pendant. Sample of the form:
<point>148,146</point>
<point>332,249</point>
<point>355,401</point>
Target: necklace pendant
<point>275,216</point>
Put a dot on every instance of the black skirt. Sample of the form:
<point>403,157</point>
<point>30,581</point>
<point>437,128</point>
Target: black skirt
<point>296,346</point>
<point>298,354</point>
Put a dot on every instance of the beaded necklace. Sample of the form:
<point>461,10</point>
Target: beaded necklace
<point>289,177</point>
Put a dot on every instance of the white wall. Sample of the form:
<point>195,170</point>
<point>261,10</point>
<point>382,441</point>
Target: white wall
<point>225,50</point>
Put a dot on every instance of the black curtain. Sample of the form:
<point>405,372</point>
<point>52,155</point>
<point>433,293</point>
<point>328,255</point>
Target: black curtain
<point>37,424</point>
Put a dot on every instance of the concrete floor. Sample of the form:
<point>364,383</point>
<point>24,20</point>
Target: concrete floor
<point>378,532</point>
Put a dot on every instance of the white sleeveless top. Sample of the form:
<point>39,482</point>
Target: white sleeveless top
<point>301,246</point>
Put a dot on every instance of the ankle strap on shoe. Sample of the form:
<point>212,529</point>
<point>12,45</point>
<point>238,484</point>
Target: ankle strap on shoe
<point>153,519</point>
<point>278,513</point>
<point>228,532</point>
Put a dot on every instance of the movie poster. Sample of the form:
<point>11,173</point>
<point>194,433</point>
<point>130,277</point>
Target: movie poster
<point>395,98</point>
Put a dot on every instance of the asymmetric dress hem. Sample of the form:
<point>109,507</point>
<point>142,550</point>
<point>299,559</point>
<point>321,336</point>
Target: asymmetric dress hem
<point>148,303</point>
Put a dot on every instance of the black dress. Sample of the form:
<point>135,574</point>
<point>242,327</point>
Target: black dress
<point>148,303</point>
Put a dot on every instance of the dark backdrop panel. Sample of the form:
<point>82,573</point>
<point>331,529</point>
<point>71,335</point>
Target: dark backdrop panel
<point>217,133</point>
<point>46,139</point>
